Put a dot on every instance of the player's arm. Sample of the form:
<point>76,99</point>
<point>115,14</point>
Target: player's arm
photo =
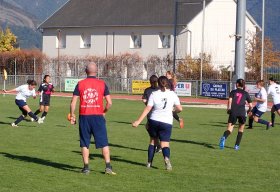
<point>178,106</point>
<point>229,105</point>
<point>9,91</point>
<point>72,109</point>
<point>108,103</point>
<point>260,99</point>
<point>142,116</point>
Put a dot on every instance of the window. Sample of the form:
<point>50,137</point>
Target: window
<point>164,41</point>
<point>135,41</point>
<point>85,41</point>
<point>60,40</point>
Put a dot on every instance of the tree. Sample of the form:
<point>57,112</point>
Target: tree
<point>7,40</point>
<point>253,56</point>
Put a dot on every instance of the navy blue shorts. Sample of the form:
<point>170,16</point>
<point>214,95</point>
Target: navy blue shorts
<point>256,112</point>
<point>45,100</point>
<point>276,107</point>
<point>93,125</point>
<point>157,129</point>
<point>21,104</point>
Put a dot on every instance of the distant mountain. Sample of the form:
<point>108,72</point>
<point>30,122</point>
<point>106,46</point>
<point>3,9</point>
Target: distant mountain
<point>23,17</point>
<point>272,18</point>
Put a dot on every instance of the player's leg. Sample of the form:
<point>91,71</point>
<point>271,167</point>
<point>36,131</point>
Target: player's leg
<point>164,133</point>
<point>30,113</point>
<point>241,121</point>
<point>251,118</point>
<point>180,120</point>
<point>152,130</point>
<point>273,110</point>
<point>257,118</point>
<point>46,110</point>
<point>38,111</point>
<point>20,118</point>
<point>99,131</point>
<point>231,121</point>
<point>85,135</point>
<point>151,151</point>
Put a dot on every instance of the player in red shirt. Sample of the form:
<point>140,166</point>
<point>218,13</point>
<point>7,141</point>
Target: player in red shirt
<point>91,116</point>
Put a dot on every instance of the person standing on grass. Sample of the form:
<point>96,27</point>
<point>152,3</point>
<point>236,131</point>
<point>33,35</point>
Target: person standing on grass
<point>161,103</point>
<point>173,83</point>
<point>91,116</point>
<point>24,92</point>
<point>274,91</point>
<point>145,98</point>
<point>236,110</point>
<point>260,108</point>
<point>45,90</point>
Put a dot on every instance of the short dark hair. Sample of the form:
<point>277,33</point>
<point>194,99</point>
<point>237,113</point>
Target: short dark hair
<point>31,82</point>
<point>272,79</point>
<point>153,81</point>
<point>240,83</point>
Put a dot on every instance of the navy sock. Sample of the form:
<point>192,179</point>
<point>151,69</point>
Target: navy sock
<point>19,119</point>
<point>151,153</point>
<point>261,121</point>
<point>176,116</point>
<point>166,152</point>
<point>44,114</point>
<point>226,133</point>
<point>251,122</point>
<point>33,116</point>
<point>238,138</point>
<point>108,165</point>
<point>37,112</point>
<point>272,118</point>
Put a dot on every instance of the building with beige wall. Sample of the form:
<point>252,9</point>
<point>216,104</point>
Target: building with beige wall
<point>110,27</point>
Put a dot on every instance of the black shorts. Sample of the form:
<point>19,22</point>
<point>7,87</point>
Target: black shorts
<point>45,100</point>
<point>233,119</point>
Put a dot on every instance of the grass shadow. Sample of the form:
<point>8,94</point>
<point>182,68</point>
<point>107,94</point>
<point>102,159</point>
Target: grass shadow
<point>115,158</point>
<point>4,123</point>
<point>125,122</point>
<point>204,144</point>
<point>122,147</point>
<point>39,161</point>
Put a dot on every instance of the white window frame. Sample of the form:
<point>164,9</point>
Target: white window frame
<point>135,41</point>
<point>161,38</point>
<point>85,41</point>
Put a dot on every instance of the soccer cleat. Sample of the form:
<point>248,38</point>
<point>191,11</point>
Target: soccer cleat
<point>40,120</point>
<point>268,125</point>
<point>149,165</point>
<point>236,147</point>
<point>109,171</point>
<point>14,125</point>
<point>32,119</point>
<point>249,127</point>
<point>181,123</point>
<point>85,171</point>
<point>168,165</point>
<point>43,118</point>
<point>222,142</point>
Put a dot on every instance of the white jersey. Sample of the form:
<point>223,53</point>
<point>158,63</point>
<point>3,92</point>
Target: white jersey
<point>262,106</point>
<point>274,91</point>
<point>163,103</point>
<point>24,92</point>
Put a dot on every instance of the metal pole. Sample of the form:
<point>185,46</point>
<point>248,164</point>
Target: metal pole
<point>263,22</point>
<point>239,71</point>
<point>58,53</point>
<point>202,46</point>
<point>175,35</point>
<point>15,71</point>
<point>34,68</point>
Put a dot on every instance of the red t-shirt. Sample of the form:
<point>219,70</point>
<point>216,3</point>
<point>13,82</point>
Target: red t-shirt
<point>91,92</point>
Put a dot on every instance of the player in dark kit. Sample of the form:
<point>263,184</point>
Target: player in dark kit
<point>45,90</point>
<point>155,147</point>
<point>236,110</point>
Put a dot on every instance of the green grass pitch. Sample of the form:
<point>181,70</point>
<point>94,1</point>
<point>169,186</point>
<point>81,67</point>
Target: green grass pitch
<point>47,157</point>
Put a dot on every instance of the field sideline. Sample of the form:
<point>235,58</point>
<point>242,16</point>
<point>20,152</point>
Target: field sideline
<point>47,157</point>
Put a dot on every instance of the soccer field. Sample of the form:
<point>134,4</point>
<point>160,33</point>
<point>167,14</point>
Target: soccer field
<point>47,157</point>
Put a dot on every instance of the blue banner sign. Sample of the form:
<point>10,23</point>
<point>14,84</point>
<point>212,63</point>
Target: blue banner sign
<point>217,90</point>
